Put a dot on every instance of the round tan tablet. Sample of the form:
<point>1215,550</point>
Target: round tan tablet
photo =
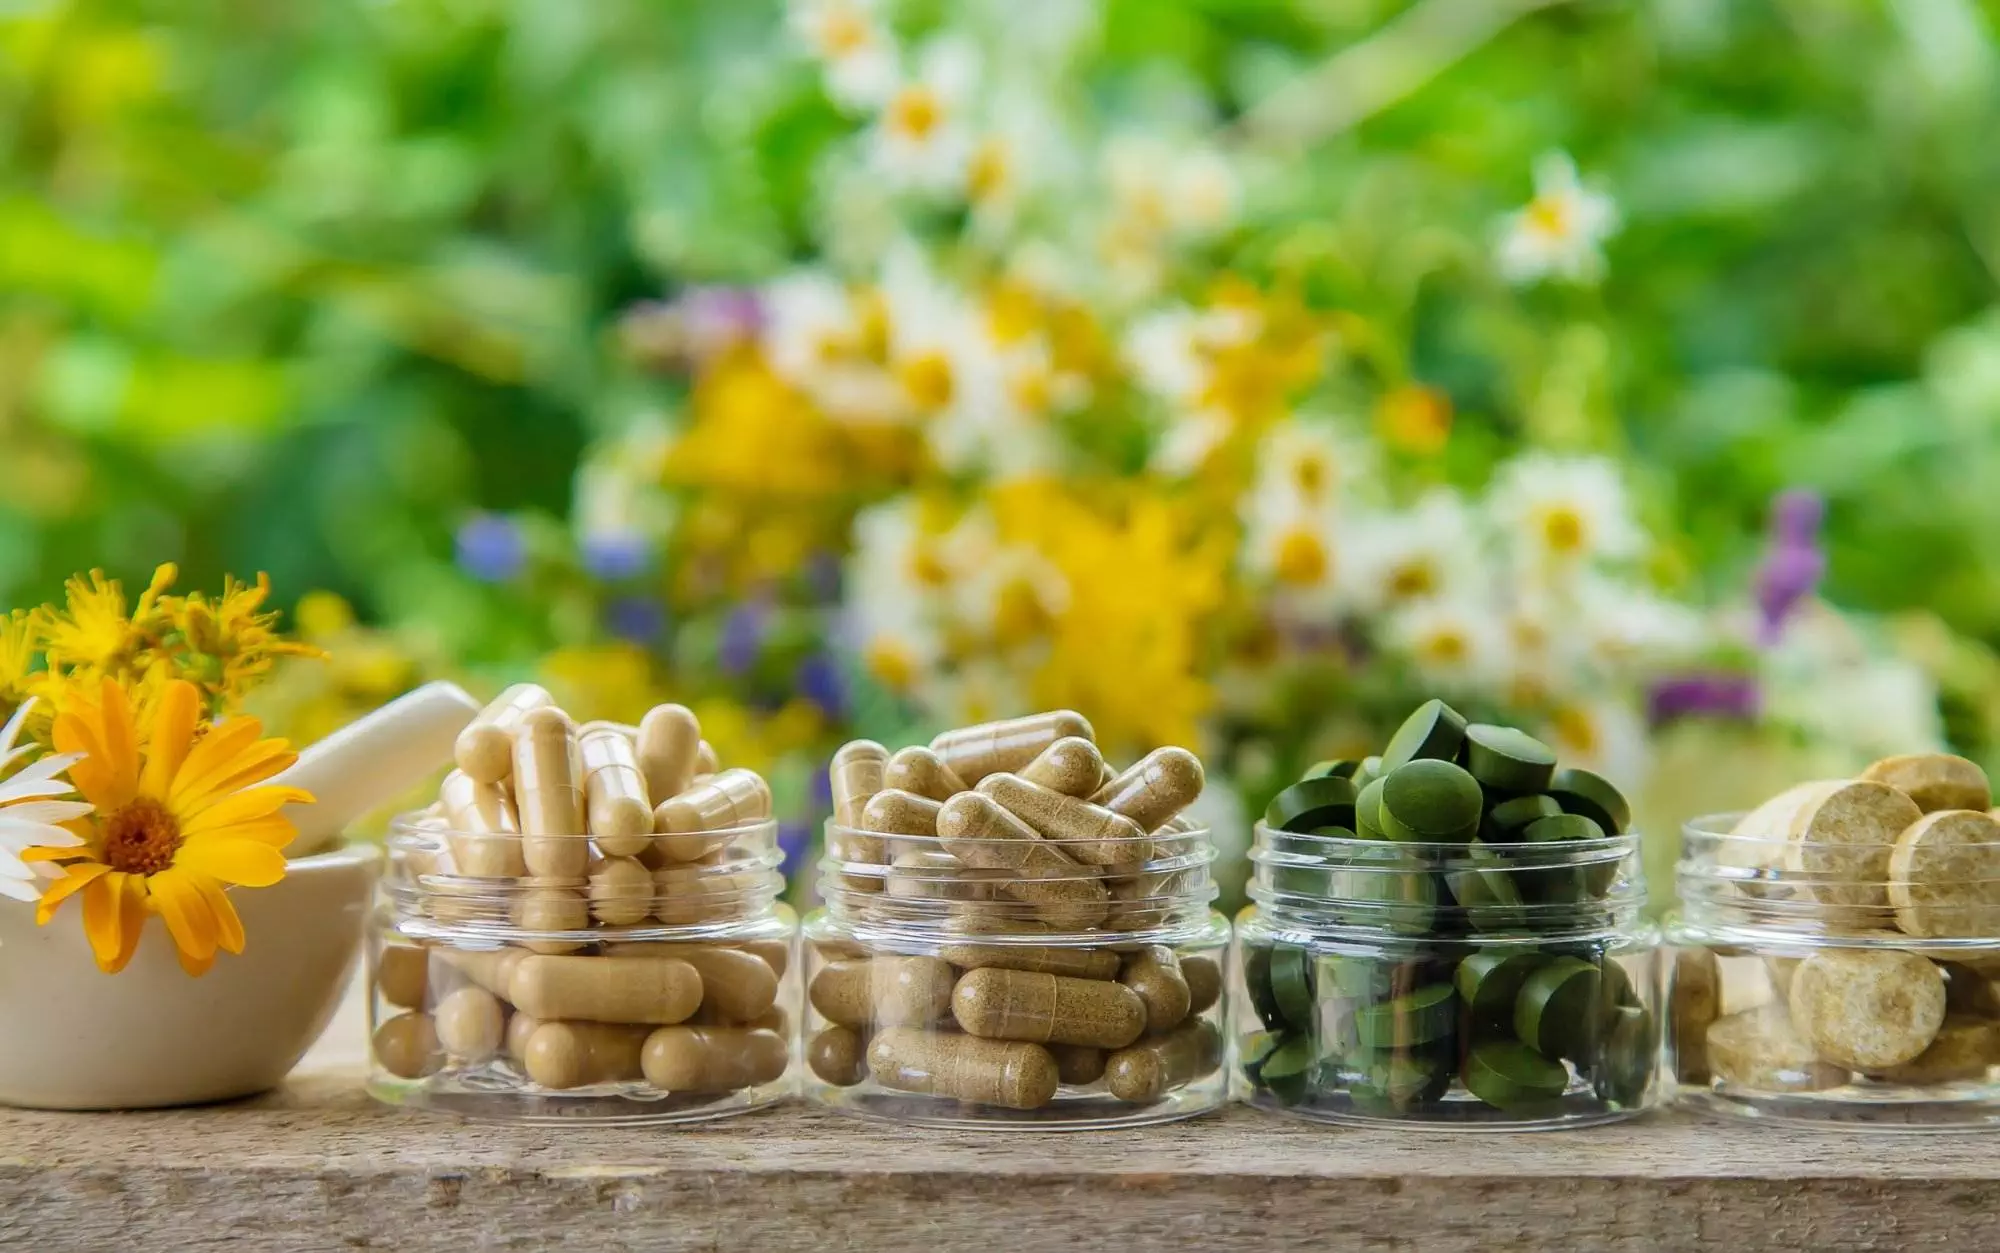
<point>1867,1009</point>
<point>1758,1049</point>
<point>1779,971</point>
<point>1944,873</point>
<point>1934,781</point>
<point>1759,838</point>
<point>1965,1048</point>
<point>1841,841</point>
<point>1697,1004</point>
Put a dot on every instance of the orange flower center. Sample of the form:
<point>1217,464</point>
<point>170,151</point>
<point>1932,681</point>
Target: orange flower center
<point>916,112</point>
<point>1302,559</point>
<point>1411,579</point>
<point>1563,531</point>
<point>1549,215</point>
<point>141,837</point>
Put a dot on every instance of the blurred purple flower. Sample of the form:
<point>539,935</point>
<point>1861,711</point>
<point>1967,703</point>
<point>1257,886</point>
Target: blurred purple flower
<point>794,840</point>
<point>491,548</point>
<point>615,555</point>
<point>695,327</point>
<point>742,637</point>
<point>1715,695</point>
<point>822,788</point>
<point>639,619</point>
<point>820,681</point>
<point>1796,516</point>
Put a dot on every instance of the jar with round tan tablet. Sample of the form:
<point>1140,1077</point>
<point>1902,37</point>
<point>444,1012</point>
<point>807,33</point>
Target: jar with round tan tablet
<point>552,944</point>
<point>1015,934</point>
<point>1836,952</point>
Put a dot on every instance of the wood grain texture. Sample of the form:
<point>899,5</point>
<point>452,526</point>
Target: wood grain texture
<point>316,1166</point>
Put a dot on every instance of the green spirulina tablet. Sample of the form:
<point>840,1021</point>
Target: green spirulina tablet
<point>1508,1075</point>
<point>1257,981</point>
<point>1368,812</point>
<point>1291,985</point>
<point>1506,760</point>
<point>1369,771</point>
<point>1557,1011</point>
<point>1435,731</point>
<point>1631,1049</point>
<point>1388,890</point>
<point>1490,981</point>
<point>1257,1048</point>
<point>1561,828</point>
<point>1400,1083</point>
<point>1431,801</point>
<point>1558,879</point>
<point>1333,768</point>
<point>1593,796</point>
<point>1509,816</point>
<point>1326,801</point>
<point>1427,1014</point>
<point>1286,1072</point>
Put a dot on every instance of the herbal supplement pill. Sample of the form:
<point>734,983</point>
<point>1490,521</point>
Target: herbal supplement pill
<point>519,1027</point>
<point>1758,1049</point>
<point>1508,1075</point>
<point>1076,963</point>
<point>1934,781</point>
<point>1155,974</point>
<point>471,1024</point>
<point>577,1054</point>
<point>992,747</point>
<point>1842,840</point>
<point>1047,1009</point>
<point>550,905</point>
<point>854,775</point>
<point>694,892</point>
<point>619,815</point>
<point>1008,1073</point>
<point>1155,789</point>
<point>548,795</point>
<point>1435,731</point>
<point>1557,1010</point>
<point>1867,1009</point>
<point>621,891</point>
<point>1368,811</point>
<point>1204,980</point>
<point>1697,1003</point>
<point>492,969</point>
<point>712,1059</point>
<point>888,990</point>
<point>1155,1066</point>
<point>734,798</point>
<point>663,990</point>
<point>1510,817</point>
<point>669,741</point>
<point>1944,873</point>
<point>777,954</point>
<point>980,832</point>
<point>402,974</point>
<point>838,1055</point>
<point>1489,982</point>
<point>1508,761</point>
<point>1077,1065</point>
<point>737,986</point>
<point>485,749</point>
<point>1431,801</point>
<point>1966,1048</point>
<point>897,812</point>
<point>483,831</point>
<point>1312,804</point>
<point>1072,766</point>
<point>1593,796</point>
<point>918,769</point>
<point>407,1046</point>
<point>1089,833</point>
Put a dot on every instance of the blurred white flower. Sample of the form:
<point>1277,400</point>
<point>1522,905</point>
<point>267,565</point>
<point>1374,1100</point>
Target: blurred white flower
<point>1293,543</point>
<point>1020,148</point>
<point>1432,549</point>
<point>895,578</point>
<point>810,323</point>
<point>1310,458</point>
<point>1190,436</point>
<point>30,810</point>
<point>855,49</point>
<point>1555,512</point>
<point>1830,680</point>
<point>1171,189</point>
<point>1622,624</point>
<point>1454,644</point>
<point>1560,233</point>
<point>1601,734</point>
<point>923,137</point>
<point>1170,350</point>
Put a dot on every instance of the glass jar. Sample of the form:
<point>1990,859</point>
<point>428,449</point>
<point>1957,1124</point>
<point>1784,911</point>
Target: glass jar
<point>1048,994</point>
<point>657,988</point>
<point>1837,984</point>
<point>1464,986</point>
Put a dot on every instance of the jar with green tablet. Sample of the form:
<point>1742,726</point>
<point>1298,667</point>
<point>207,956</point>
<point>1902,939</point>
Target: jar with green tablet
<point>1450,935</point>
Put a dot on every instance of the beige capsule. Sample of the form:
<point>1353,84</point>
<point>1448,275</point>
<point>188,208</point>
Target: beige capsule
<point>448,898</point>
<point>1154,790</point>
<point>1841,841</point>
<point>1204,980</point>
<point>1077,1065</point>
<point>1090,834</point>
<point>1009,1073</point>
<point>893,811</point>
<point>708,1060</point>
<point>1697,1004</point>
<point>471,1024</point>
<point>978,831</point>
<point>1155,974</point>
<point>485,749</point>
<point>1944,874</point>
<point>935,875</point>
<point>492,969</point>
<point>733,799</point>
<point>1145,1072</point>
<point>1141,901</point>
<point>519,1027</point>
<point>402,975</point>
<point>918,769</point>
<point>696,892</point>
<point>542,905</point>
<point>705,759</point>
<point>1966,1047</point>
<point>407,1046</point>
<point>1934,781</point>
<point>1047,1009</point>
<point>1867,1009</point>
<point>616,808</point>
<point>854,775</point>
<point>839,1055</point>
<point>548,795</point>
<point>621,891</point>
<point>1072,766</point>
<point>565,1055</point>
<point>668,744</point>
<point>736,986</point>
<point>775,953</point>
<point>658,990</point>
<point>1757,1049</point>
<point>992,747</point>
<point>887,991</point>
<point>1074,963</point>
<point>483,830</point>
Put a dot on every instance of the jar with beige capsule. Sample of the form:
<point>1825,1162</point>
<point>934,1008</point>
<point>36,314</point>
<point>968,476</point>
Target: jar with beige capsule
<point>1015,934</point>
<point>551,944</point>
<point>1836,953</point>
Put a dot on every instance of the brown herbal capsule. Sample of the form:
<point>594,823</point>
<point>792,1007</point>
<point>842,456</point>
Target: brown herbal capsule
<point>978,831</point>
<point>918,769</point>
<point>991,747</point>
<point>566,1055</point>
<point>1075,963</point>
<point>701,892</point>
<point>541,905</point>
<point>1155,974</point>
<point>621,891</point>
<point>1047,1009</point>
<point>854,775</point>
<point>519,1027</point>
<point>471,1024</point>
<point>838,1055</point>
<point>616,808</point>
<point>658,990</point>
<point>1154,790</point>
<point>1090,834</point>
<point>893,811</point>
<point>548,795</point>
<point>1204,980</point>
<point>712,1059</point>
<point>402,974</point>
<point>882,991</point>
<point>734,798</point>
<point>407,1046</point>
<point>1155,1066</point>
<point>777,954</point>
<point>1072,766</point>
<point>1007,1073</point>
<point>484,832</point>
<point>737,986</point>
<point>1077,1065</point>
<point>485,749</point>
<point>669,740</point>
<point>492,969</point>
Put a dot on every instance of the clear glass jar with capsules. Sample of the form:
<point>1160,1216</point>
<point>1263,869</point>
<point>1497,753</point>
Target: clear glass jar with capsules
<point>653,986</point>
<point>1463,986</point>
<point>975,980</point>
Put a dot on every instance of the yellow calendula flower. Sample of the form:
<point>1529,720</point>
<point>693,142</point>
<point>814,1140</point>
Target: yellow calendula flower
<point>226,645</point>
<point>178,817</point>
<point>93,631</point>
<point>19,642</point>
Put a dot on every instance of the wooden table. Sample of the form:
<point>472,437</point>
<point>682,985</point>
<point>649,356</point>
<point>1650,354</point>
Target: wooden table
<point>316,1166</point>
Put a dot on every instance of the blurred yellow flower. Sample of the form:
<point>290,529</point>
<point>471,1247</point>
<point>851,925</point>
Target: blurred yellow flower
<point>18,645</point>
<point>1414,419</point>
<point>610,681</point>
<point>92,630</point>
<point>228,645</point>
